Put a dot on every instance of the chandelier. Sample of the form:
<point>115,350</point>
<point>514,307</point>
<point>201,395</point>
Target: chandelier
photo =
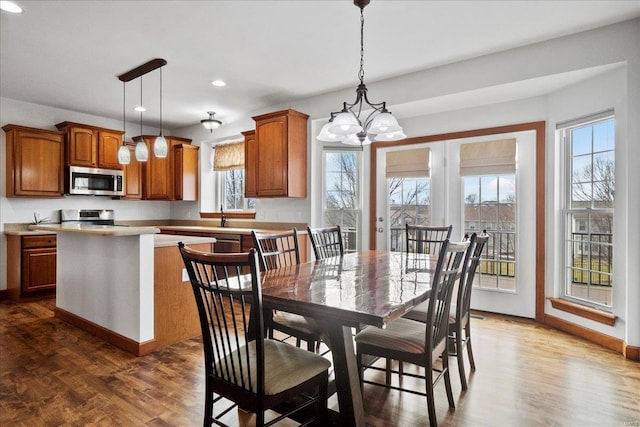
<point>347,125</point>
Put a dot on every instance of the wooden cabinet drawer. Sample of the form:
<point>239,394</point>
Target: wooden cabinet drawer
<point>42,241</point>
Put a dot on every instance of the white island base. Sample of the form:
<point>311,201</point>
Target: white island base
<point>109,284</point>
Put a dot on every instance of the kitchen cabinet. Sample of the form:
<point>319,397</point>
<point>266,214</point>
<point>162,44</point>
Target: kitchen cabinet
<point>91,146</point>
<point>31,264</point>
<point>186,172</point>
<point>159,174</point>
<point>34,162</point>
<point>251,159</point>
<point>132,176</point>
<point>281,162</point>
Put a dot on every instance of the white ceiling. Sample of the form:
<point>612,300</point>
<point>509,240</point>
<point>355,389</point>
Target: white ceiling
<point>68,54</point>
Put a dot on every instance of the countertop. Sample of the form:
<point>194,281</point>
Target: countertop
<point>222,230</point>
<point>101,230</point>
<point>27,232</point>
<point>166,240</point>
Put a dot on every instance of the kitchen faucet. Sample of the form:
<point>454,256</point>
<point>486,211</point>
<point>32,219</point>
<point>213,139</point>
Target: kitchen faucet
<point>223,219</point>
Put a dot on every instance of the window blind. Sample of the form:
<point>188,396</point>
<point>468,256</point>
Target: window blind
<point>491,157</point>
<point>412,163</point>
<point>228,156</point>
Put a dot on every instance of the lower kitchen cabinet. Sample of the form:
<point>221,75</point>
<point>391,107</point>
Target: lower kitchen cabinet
<point>31,264</point>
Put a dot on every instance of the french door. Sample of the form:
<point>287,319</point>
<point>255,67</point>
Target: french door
<point>502,203</point>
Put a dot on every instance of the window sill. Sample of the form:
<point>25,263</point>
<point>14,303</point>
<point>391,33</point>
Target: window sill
<point>229,215</point>
<point>582,311</point>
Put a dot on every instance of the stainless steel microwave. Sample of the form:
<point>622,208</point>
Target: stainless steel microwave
<point>96,182</point>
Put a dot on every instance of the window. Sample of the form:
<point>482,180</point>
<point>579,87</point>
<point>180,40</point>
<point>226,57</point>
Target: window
<point>490,204</point>
<point>409,203</point>
<point>589,145</point>
<point>341,180</point>
<point>233,191</point>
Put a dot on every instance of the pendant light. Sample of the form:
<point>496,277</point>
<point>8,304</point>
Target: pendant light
<point>211,123</point>
<point>124,155</point>
<point>347,125</point>
<point>142,152</point>
<point>160,147</point>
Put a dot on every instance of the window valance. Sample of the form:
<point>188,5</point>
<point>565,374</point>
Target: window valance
<point>491,157</point>
<point>228,156</point>
<point>412,163</point>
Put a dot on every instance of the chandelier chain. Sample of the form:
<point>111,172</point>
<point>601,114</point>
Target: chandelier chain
<point>361,72</point>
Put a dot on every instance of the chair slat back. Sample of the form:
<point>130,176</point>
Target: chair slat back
<point>276,250</point>
<point>463,303</point>
<point>228,302</point>
<point>326,242</point>
<point>426,239</point>
<point>447,272</point>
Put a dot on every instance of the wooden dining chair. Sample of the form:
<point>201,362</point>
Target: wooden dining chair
<point>326,242</point>
<point>277,250</point>
<point>256,373</point>
<point>418,343</point>
<point>459,325</point>
<point>426,239</point>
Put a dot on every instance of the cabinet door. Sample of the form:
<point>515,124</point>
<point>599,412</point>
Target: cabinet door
<point>35,163</point>
<point>108,145</point>
<point>38,269</point>
<point>157,183</point>
<point>271,135</point>
<point>186,172</point>
<point>250,164</point>
<point>82,148</point>
<point>132,177</point>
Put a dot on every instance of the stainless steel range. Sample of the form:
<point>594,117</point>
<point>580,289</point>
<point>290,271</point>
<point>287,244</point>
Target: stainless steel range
<point>88,216</point>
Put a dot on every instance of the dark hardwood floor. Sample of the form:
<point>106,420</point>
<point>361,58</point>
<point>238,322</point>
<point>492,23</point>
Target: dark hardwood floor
<point>52,374</point>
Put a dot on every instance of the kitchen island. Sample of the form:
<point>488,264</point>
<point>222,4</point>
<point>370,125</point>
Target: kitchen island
<point>125,284</point>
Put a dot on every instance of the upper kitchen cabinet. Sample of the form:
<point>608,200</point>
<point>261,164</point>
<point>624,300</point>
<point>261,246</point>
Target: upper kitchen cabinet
<point>281,159</point>
<point>160,175</point>
<point>91,146</point>
<point>34,162</point>
<point>186,172</point>
<point>251,159</point>
<point>132,176</point>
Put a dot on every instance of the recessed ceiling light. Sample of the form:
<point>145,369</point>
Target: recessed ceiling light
<point>218,83</point>
<point>9,6</point>
<point>140,108</point>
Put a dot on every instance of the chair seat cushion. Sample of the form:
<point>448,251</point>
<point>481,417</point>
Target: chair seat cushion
<point>402,334</point>
<point>294,321</point>
<point>285,366</point>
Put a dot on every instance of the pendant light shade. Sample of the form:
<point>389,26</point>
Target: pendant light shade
<point>211,123</point>
<point>124,155</point>
<point>345,124</point>
<point>141,152</point>
<point>160,147</point>
<point>327,136</point>
<point>384,123</point>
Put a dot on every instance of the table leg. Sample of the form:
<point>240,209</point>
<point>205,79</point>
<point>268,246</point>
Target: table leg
<point>346,374</point>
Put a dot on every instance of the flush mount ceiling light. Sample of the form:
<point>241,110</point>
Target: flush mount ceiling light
<point>211,123</point>
<point>160,146</point>
<point>11,7</point>
<point>347,126</point>
<point>218,83</point>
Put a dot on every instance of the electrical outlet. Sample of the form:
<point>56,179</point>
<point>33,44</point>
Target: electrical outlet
<point>185,275</point>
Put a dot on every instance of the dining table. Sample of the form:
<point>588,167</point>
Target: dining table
<point>360,288</point>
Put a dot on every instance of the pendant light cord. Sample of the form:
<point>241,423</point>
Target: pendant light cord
<point>124,106</point>
<point>361,72</point>
<point>141,107</point>
<point>160,101</point>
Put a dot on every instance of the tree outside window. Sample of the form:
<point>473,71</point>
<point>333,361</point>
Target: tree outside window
<point>342,194</point>
<point>233,192</point>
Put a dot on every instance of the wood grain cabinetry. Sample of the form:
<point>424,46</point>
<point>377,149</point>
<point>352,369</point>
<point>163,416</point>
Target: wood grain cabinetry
<point>34,162</point>
<point>186,172</point>
<point>159,174</point>
<point>91,146</point>
<point>281,162</point>
<point>31,264</point>
<point>251,162</point>
<point>132,176</point>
